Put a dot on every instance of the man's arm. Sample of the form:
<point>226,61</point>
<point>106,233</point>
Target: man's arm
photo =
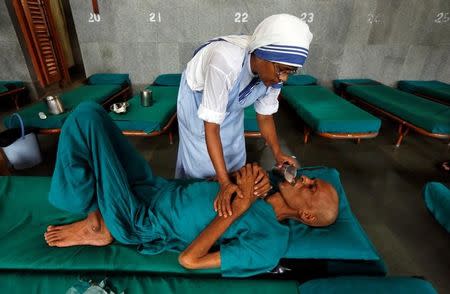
<point>197,255</point>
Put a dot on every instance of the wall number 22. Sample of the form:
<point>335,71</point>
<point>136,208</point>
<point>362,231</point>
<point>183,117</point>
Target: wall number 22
<point>241,17</point>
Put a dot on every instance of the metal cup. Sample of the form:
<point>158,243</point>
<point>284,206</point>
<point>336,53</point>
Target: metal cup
<point>146,98</point>
<point>287,171</point>
<point>54,104</point>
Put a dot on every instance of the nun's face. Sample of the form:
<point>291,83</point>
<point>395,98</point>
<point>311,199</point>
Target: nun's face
<point>274,73</point>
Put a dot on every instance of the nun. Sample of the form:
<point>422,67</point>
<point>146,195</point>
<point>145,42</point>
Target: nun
<point>226,75</point>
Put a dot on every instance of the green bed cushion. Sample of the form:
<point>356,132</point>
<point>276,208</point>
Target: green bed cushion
<point>70,99</point>
<point>429,115</point>
<point>168,80</point>
<point>250,122</point>
<point>325,112</point>
<point>152,118</point>
<point>14,84</point>
<point>437,200</point>
<point>368,285</point>
<point>434,89</point>
<point>21,235</point>
<point>109,79</point>
<point>300,80</point>
<point>3,89</point>
<point>348,239</point>
<point>51,282</point>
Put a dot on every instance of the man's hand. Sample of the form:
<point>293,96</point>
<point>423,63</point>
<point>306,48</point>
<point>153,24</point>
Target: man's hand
<point>262,183</point>
<point>222,203</point>
<point>246,182</point>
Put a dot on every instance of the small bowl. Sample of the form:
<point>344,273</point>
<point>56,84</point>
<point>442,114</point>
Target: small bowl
<point>120,107</point>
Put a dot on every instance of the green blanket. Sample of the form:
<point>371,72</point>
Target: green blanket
<point>250,122</point>
<point>70,99</point>
<point>152,118</point>
<point>431,116</point>
<point>326,112</point>
<point>434,89</point>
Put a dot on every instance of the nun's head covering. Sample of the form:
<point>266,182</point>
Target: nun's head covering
<point>281,38</point>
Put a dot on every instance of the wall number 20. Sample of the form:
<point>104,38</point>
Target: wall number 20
<point>94,17</point>
<point>241,17</point>
<point>442,17</point>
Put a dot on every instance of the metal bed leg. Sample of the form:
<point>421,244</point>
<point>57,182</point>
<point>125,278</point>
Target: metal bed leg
<point>401,134</point>
<point>306,133</point>
<point>170,138</point>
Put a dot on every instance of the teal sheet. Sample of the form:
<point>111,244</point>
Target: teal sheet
<point>429,115</point>
<point>70,99</point>
<point>3,89</point>
<point>300,80</point>
<point>325,112</point>
<point>152,118</point>
<point>367,285</point>
<point>433,89</point>
<point>250,121</point>
<point>168,80</point>
<point>51,282</point>
<point>437,200</point>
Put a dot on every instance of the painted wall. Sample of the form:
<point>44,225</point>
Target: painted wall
<point>386,40</point>
<point>12,61</point>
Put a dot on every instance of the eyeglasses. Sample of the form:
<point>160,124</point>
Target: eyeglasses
<point>280,73</point>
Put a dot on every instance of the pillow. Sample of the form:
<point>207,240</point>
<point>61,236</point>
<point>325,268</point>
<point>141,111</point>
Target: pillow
<point>168,80</point>
<point>300,80</point>
<point>343,240</point>
<point>109,79</point>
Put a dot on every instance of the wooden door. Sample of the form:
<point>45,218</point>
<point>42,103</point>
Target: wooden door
<point>42,41</point>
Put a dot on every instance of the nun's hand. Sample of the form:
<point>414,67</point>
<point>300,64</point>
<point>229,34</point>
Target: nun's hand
<point>222,203</point>
<point>282,158</point>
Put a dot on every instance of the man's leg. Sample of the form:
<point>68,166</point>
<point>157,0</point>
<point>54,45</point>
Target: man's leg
<point>96,169</point>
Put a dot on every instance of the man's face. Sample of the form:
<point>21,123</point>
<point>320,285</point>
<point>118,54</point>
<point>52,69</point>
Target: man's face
<point>307,194</point>
<point>274,73</point>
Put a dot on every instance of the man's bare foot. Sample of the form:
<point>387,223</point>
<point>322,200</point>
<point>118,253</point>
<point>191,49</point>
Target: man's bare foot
<point>90,231</point>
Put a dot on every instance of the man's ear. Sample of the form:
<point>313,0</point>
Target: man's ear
<point>307,217</point>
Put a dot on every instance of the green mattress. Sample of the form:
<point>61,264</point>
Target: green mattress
<point>152,118</point>
<point>325,112</point>
<point>437,200</point>
<point>14,84</point>
<point>433,89</point>
<point>368,285</point>
<point>431,116</point>
<point>24,216</point>
<point>50,282</point>
<point>70,99</point>
<point>250,122</point>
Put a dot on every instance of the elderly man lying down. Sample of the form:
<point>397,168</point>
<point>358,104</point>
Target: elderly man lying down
<point>98,172</point>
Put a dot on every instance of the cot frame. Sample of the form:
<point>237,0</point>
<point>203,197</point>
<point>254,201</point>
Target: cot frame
<point>15,94</point>
<point>403,127</point>
<point>168,128</point>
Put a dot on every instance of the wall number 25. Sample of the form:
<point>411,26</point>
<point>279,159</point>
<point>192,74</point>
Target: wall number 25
<point>442,17</point>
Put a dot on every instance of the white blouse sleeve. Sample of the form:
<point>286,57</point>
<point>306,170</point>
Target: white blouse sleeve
<point>218,82</point>
<point>268,104</point>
